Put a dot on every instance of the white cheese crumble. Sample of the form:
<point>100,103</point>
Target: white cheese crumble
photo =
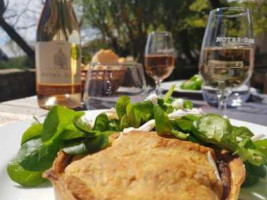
<point>153,98</point>
<point>112,114</point>
<point>127,130</point>
<point>257,137</point>
<point>178,103</point>
<point>150,125</point>
<point>238,139</point>
<point>213,164</point>
<point>180,113</point>
<point>88,122</point>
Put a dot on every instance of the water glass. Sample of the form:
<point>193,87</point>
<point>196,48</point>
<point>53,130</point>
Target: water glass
<point>107,82</point>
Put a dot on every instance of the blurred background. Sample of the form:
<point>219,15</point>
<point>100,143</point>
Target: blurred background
<point>123,26</point>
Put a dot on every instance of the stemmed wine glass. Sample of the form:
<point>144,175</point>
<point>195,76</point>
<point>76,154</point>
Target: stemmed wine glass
<point>227,53</point>
<point>159,57</point>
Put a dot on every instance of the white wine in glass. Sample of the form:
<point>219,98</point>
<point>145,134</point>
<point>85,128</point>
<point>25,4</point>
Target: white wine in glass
<point>227,67</point>
<point>227,53</point>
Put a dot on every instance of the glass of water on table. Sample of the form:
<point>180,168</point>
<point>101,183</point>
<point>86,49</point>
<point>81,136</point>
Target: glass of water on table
<point>105,83</point>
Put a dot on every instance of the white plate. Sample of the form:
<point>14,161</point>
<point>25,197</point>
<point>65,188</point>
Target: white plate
<point>10,142</point>
<point>167,85</point>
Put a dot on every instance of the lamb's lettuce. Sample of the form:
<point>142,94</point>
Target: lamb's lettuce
<point>212,128</point>
<point>64,129</point>
<point>217,130</point>
<point>56,121</point>
<point>101,123</point>
<point>183,125</point>
<point>194,83</point>
<point>249,152</point>
<point>261,145</point>
<point>179,135</point>
<point>24,177</point>
<point>168,95</point>
<point>254,174</point>
<point>121,105</point>
<point>35,155</point>
<point>71,132</point>
<point>188,104</point>
<point>34,131</point>
<point>133,114</point>
<point>163,124</point>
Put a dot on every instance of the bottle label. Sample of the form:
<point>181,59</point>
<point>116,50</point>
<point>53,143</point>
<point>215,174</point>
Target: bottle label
<point>58,63</point>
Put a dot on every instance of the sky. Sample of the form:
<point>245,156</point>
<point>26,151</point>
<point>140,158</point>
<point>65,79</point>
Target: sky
<point>24,16</point>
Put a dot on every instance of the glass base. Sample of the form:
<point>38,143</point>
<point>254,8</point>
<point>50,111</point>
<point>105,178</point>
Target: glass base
<point>237,98</point>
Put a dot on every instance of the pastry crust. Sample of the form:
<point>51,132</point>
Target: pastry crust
<point>140,165</point>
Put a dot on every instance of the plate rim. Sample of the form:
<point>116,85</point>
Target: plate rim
<point>178,88</point>
<point>49,190</point>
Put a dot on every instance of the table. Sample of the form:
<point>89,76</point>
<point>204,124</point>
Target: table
<point>26,108</point>
<point>20,109</point>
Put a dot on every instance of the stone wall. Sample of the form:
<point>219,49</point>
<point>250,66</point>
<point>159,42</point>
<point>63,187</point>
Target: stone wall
<point>16,83</point>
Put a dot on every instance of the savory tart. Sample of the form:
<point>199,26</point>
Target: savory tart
<point>143,166</point>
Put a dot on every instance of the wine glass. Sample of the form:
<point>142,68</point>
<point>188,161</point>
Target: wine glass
<point>159,57</point>
<point>227,53</point>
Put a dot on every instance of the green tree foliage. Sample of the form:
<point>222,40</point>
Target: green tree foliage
<point>125,24</point>
<point>258,10</point>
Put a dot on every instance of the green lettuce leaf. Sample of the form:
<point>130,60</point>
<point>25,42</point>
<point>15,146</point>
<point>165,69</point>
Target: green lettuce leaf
<point>56,120</point>
<point>33,132</point>
<point>261,145</point>
<point>188,104</point>
<point>194,83</point>
<point>182,125</point>
<point>24,177</point>
<point>248,151</point>
<point>35,155</point>
<point>121,105</point>
<point>163,124</point>
<point>211,128</point>
<point>179,135</point>
<point>101,122</point>
<point>168,95</point>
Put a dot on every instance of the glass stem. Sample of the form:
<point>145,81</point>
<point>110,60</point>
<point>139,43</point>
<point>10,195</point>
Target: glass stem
<point>157,82</point>
<point>222,96</point>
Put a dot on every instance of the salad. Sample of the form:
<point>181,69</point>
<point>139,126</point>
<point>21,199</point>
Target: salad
<point>66,130</point>
<point>194,83</point>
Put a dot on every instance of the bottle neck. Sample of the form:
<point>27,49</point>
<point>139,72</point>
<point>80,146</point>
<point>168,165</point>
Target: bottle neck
<point>59,8</point>
<point>57,20</point>
<point>57,3</point>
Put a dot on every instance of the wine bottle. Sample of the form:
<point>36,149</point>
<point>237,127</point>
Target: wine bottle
<point>58,56</point>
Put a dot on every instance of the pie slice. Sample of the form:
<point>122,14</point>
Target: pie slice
<point>146,166</point>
